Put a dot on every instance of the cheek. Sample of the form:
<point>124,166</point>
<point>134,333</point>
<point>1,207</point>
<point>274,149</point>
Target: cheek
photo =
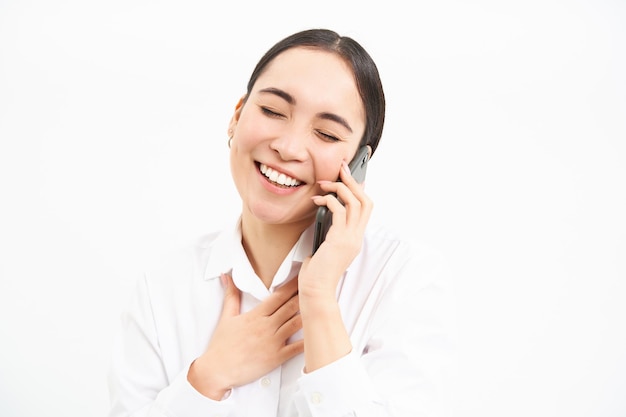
<point>328,161</point>
<point>327,166</point>
<point>253,127</point>
<point>245,133</point>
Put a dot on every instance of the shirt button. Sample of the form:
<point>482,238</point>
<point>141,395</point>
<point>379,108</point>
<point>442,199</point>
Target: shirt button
<point>265,382</point>
<point>316,398</point>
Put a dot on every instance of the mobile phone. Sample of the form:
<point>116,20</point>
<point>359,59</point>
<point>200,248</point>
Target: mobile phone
<point>324,217</point>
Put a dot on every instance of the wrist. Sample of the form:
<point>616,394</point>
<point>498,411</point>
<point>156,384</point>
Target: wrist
<point>319,305</point>
<point>316,291</point>
<point>325,336</point>
<point>201,381</point>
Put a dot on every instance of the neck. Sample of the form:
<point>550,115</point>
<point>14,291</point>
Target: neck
<point>267,245</point>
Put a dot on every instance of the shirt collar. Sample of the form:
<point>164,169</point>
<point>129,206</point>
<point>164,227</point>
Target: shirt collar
<point>227,254</point>
<point>221,251</point>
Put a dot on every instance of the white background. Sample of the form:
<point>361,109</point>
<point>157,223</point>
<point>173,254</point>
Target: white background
<point>504,147</point>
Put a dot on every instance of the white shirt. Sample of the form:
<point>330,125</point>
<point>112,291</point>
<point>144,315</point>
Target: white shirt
<point>394,302</point>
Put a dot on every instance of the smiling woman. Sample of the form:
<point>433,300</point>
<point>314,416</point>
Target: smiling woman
<point>285,124</point>
<point>247,322</point>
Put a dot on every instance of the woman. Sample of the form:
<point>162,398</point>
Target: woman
<point>248,323</point>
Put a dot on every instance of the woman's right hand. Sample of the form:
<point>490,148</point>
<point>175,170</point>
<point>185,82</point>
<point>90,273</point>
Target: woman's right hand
<point>246,346</point>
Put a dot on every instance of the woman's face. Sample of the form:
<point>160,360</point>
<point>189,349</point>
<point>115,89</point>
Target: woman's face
<point>303,117</point>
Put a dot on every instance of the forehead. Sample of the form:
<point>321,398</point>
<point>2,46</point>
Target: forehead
<point>311,65</point>
<point>308,53</point>
<point>314,76</point>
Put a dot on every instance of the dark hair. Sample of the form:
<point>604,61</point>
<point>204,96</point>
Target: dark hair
<point>363,67</point>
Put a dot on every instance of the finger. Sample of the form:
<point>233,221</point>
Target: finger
<point>358,204</point>
<point>348,194</point>
<point>350,191</point>
<point>359,211</point>
<point>337,209</point>
<point>286,311</point>
<point>289,327</point>
<point>279,297</point>
<point>232,297</point>
<point>339,213</point>
<point>291,349</point>
<point>346,178</point>
<point>345,175</point>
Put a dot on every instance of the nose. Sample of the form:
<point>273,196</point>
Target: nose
<point>290,146</point>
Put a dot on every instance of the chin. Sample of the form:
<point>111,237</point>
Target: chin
<point>268,213</point>
<point>279,215</point>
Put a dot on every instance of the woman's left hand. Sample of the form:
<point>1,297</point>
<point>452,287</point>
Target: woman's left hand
<point>320,274</point>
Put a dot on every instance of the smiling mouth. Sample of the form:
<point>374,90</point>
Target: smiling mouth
<point>278,178</point>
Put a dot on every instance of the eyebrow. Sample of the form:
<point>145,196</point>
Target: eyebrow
<point>292,101</point>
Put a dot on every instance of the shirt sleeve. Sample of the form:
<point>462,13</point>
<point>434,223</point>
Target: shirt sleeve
<point>138,382</point>
<point>413,347</point>
<point>405,370</point>
<point>338,389</point>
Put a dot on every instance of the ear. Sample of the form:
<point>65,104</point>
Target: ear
<point>369,152</point>
<point>235,118</point>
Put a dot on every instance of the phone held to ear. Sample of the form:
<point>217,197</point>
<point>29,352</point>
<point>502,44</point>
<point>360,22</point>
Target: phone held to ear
<point>324,217</point>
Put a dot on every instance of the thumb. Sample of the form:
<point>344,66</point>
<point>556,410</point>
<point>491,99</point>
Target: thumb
<point>232,297</point>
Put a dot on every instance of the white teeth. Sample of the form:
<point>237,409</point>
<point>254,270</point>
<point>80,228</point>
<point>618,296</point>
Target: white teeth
<point>278,177</point>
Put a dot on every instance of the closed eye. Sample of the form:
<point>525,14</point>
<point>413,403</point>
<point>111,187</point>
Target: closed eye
<point>326,136</point>
<point>268,112</point>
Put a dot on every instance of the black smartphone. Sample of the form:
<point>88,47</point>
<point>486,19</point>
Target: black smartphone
<point>324,217</point>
